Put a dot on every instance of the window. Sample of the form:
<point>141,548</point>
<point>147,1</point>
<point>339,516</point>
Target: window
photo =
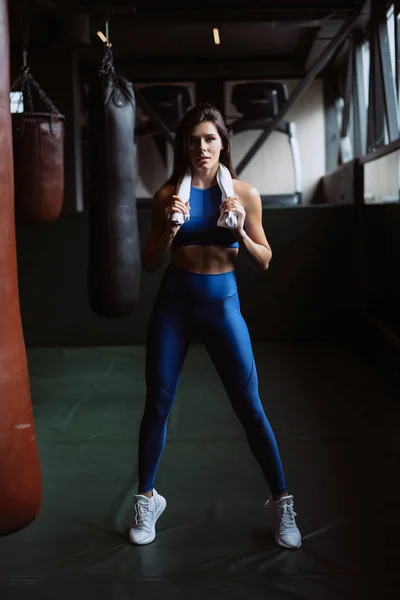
<point>391,34</point>
<point>366,65</point>
<point>392,37</point>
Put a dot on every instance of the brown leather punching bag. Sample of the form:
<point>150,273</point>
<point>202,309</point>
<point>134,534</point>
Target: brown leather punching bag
<point>20,475</point>
<point>38,151</point>
<point>38,148</point>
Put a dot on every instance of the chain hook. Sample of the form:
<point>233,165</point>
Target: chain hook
<point>25,67</point>
<point>107,31</point>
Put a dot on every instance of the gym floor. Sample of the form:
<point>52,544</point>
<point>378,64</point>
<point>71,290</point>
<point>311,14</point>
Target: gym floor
<point>336,418</point>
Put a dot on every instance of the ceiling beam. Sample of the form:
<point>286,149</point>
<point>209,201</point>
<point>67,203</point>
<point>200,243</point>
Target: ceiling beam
<point>226,16</point>
<point>327,31</point>
<point>218,16</point>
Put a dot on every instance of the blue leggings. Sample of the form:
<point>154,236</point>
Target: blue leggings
<point>206,306</point>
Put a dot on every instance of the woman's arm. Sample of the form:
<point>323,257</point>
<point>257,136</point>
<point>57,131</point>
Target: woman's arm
<point>162,232</point>
<point>252,242</point>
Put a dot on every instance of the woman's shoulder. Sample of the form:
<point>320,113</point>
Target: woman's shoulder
<point>245,190</point>
<point>164,193</point>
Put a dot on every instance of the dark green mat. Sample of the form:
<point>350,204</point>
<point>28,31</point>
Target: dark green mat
<point>336,421</point>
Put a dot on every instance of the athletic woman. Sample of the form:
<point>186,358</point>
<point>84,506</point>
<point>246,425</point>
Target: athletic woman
<point>198,297</point>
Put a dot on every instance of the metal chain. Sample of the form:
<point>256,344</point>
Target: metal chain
<point>24,81</point>
<point>43,96</point>
<point>29,94</point>
<point>107,64</point>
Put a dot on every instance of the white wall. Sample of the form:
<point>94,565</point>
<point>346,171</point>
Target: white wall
<point>381,179</point>
<point>271,169</point>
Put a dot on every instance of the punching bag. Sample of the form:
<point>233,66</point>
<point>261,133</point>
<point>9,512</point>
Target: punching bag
<point>114,250</point>
<point>38,150</point>
<point>20,476</point>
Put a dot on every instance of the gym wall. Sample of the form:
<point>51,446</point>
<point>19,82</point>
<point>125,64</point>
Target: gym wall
<point>381,179</point>
<point>271,169</point>
<point>375,230</point>
<point>382,259</point>
<point>382,243</point>
<point>307,294</point>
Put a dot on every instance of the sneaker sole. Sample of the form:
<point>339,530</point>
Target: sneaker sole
<point>152,536</point>
<point>282,545</point>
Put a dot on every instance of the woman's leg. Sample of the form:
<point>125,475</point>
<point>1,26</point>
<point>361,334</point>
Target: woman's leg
<point>228,343</point>
<point>168,339</point>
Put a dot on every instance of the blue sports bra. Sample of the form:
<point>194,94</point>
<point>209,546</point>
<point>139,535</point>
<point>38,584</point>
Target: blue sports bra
<point>202,228</point>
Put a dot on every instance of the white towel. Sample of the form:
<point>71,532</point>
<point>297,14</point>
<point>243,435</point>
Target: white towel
<point>224,180</point>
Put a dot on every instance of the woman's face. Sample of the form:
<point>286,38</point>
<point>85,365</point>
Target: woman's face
<point>205,146</point>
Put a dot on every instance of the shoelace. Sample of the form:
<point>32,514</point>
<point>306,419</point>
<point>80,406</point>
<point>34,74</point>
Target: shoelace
<point>287,515</point>
<point>141,510</point>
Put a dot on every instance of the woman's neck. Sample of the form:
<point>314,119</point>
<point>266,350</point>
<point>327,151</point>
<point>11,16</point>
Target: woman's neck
<point>207,179</point>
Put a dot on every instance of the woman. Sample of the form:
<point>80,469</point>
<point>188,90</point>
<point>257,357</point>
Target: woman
<point>198,296</point>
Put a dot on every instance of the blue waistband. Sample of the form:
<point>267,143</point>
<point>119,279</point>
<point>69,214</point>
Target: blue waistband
<point>180,285</point>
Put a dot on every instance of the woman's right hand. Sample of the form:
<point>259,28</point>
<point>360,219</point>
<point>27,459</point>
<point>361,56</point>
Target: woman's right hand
<point>175,206</point>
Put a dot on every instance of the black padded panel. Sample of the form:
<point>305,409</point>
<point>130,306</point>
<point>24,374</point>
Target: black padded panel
<point>258,100</point>
<point>170,102</point>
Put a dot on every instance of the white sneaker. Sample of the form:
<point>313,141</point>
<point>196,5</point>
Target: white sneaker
<point>287,535</point>
<point>147,511</point>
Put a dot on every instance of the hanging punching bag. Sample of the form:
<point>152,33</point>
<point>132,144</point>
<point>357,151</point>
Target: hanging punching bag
<point>20,476</point>
<point>114,249</point>
<point>38,151</point>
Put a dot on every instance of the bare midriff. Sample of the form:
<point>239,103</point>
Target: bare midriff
<point>210,260</point>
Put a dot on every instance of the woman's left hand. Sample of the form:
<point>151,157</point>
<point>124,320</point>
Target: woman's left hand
<point>232,204</point>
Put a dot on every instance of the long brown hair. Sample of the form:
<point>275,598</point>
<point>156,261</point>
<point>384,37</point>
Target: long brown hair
<point>198,114</point>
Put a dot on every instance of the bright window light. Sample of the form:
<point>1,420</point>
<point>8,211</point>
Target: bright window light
<point>17,102</point>
<point>366,68</point>
<point>391,36</point>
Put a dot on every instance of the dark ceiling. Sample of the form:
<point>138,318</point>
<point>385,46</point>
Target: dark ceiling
<point>174,39</point>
